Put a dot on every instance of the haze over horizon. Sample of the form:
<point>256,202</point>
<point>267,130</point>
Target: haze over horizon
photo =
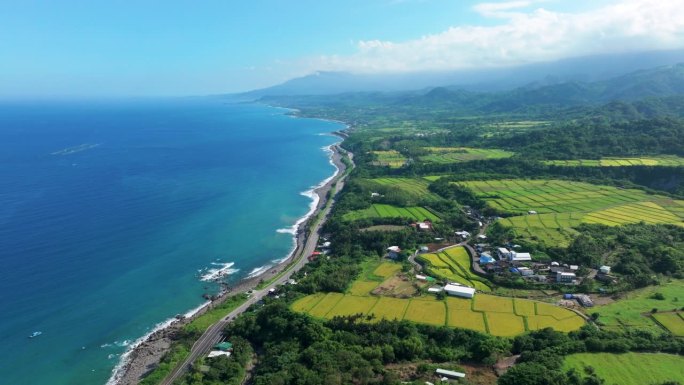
<point>174,48</point>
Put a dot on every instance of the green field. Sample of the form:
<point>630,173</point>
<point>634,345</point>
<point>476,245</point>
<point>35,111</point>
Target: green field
<point>453,264</point>
<point>661,161</point>
<point>416,187</point>
<point>389,211</point>
<point>562,205</point>
<point>633,311</point>
<point>390,158</point>
<point>674,322</point>
<point>462,154</point>
<point>501,316</point>
<point>629,368</point>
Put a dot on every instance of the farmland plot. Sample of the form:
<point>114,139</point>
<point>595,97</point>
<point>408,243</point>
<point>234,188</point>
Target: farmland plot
<point>562,205</point>
<point>389,211</point>
<point>462,154</point>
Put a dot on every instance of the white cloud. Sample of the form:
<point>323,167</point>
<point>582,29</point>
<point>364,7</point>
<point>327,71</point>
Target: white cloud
<point>523,36</point>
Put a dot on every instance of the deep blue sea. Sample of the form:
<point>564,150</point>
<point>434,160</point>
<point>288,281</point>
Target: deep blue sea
<point>110,212</point>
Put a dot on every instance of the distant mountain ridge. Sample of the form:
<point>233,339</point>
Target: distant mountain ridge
<point>581,69</point>
<point>628,91</point>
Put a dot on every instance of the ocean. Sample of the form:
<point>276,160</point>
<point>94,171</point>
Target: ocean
<point>112,212</point>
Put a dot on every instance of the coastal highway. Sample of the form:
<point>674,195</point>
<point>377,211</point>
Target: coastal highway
<point>213,334</point>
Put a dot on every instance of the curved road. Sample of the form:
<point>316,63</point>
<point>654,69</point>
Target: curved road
<point>213,334</point>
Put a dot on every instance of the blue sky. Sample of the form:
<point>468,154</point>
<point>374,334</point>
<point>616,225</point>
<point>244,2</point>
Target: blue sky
<point>119,48</point>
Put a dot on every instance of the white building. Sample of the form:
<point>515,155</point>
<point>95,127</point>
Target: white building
<point>604,269</point>
<point>503,253</point>
<point>519,257</point>
<point>449,373</point>
<point>463,234</point>
<point>460,291</point>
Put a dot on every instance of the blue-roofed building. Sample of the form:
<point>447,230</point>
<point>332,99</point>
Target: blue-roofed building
<point>486,258</point>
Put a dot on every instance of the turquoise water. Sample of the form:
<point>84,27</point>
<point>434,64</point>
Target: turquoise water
<point>111,212</point>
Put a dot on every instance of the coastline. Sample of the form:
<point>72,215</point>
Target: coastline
<point>146,352</point>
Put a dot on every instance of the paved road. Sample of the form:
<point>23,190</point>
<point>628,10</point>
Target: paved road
<point>213,334</point>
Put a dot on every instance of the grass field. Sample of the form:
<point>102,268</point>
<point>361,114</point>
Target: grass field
<point>390,158</point>
<point>454,265</point>
<point>414,186</point>
<point>629,368</point>
<point>389,211</point>
<point>633,311</point>
<point>562,205</point>
<point>462,154</point>
<point>661,161</point>
<point>674,322</point>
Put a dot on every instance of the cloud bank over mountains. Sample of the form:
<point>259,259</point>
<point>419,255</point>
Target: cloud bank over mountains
<point>523,32</point>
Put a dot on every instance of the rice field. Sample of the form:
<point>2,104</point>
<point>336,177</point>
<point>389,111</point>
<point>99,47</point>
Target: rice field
<point>362,287</point>
<point>389,308</point>
<point>629,368</point>
<point>453,264</point>
<point>493,304</point>
<point>462,154</point>
<point>390,158</point>
<point>647,212</point>
<point>505,324</point>
<point>352,304</point>
<point>389,211</point>
<point>426,310</point>
<point>660,161</point>
<point>674,322</point>
<point>325,305</point>
<point>562,205</point>
<point>387,269</point>
<point>486,313</point>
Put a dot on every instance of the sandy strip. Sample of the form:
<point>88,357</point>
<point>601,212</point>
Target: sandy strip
<point>144,357</point>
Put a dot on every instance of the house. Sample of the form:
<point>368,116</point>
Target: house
<point>449,373</point>
<point>421,277</point>
<point>481,236</point>
<point>503,253</point>
<point>460,291</point>
<point>221,349</point>
<point>574,267</point>
<point>393,252</point>
<point>314,255</point>
<point>604,269</point>
<point>519,257</point>
<point>375,195</point>
<point>565,277</point>
<point>532,212</point>
<point>424,226</point>
<point>424,249</point>
<point>525,271</point>
<point>463,234</point>
<point>584,300</point>
<point>435,289</point>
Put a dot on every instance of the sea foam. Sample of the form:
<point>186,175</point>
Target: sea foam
<point>215,274</point>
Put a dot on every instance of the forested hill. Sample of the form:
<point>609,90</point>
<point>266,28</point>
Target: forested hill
<point>663,85</point>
